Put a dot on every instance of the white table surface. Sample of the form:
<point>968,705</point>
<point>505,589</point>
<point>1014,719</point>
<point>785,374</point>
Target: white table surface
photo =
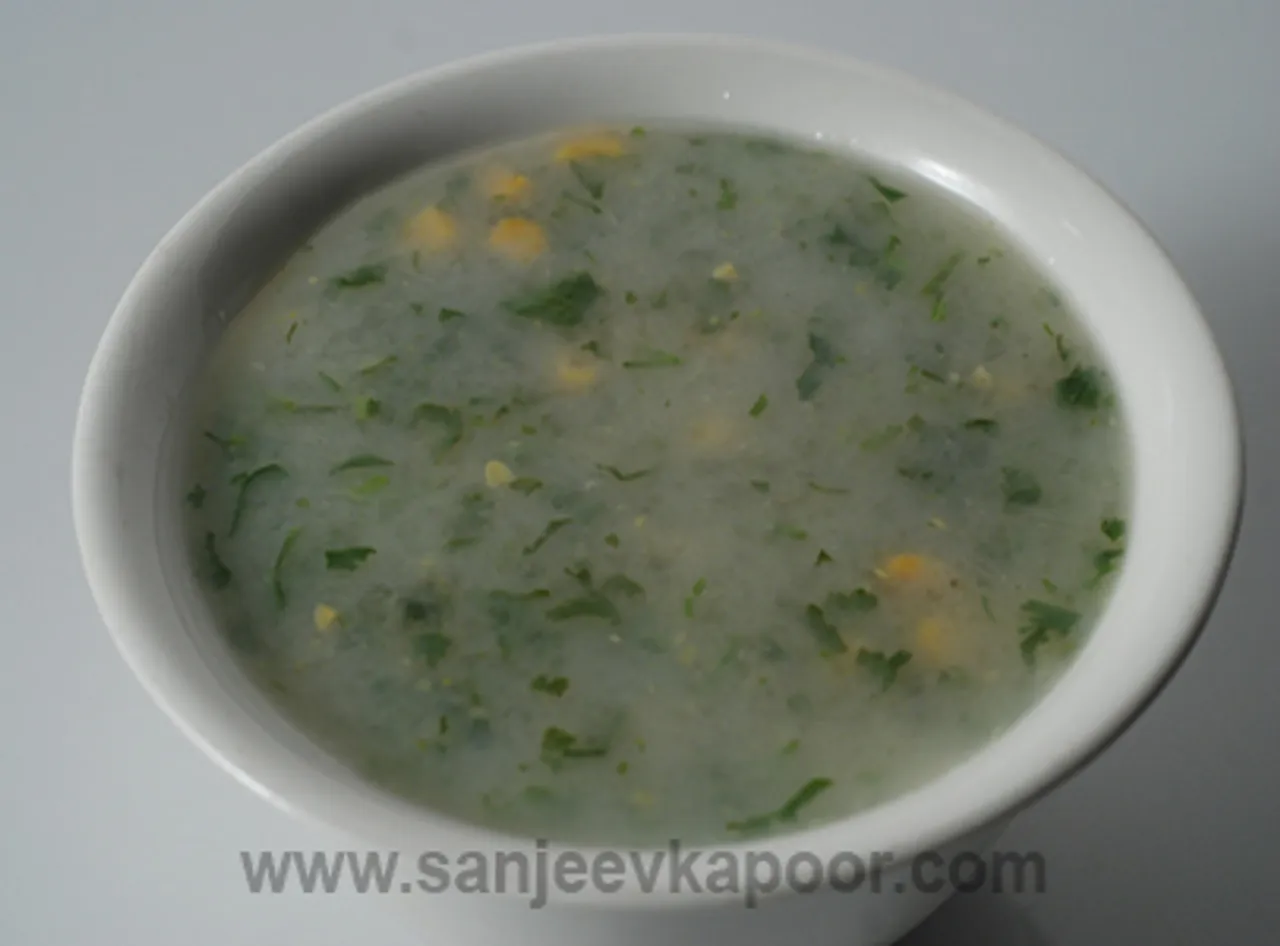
<point>116,116</point>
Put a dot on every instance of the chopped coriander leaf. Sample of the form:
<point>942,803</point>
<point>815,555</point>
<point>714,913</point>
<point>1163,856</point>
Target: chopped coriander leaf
<point>824,356</point>
<point>1040,621</point>
<point>348,559</point>
<point>288,336</point>
<point>526,484</point>
<point>620,476</point>
<point>881,439</point>
<point>592,185</point>
<point>612,540</point>
<point>884,667</point>
<point>195,498</point>
<point>447,417</point>
<point>829,490</point>
<point>984,424</point>
<point>760,486</point>
<point>728,195</point>
<point>860,255</point>
<point>939,311</point>
<point>631,298</point>
<point>622,585</point>
<point>1113,529</point>
<point>891,194</point>
<point>371,485</point>
<point>432,647</point>
<point>554,686</point>
<point>368,275</point>
<point>1020,488</point>
<point>577,202</point>
<point>581,574</point>
<point>1081,389</point>
<point>564,303</point>
<point>227,445</point>
<point>587,606</point>
<point>1059,343</point>
<point>931,376</point>
<point>330,381</point>
<point>374,366</point>
<point>528,430</point>
<point>277,570</point>
<point>448,315</point>
<point>787,812</point>
<point>791,747</point>
<point>368,407</point>
<point>1048,585</point>
<point>807,793</point>
<point>699,587</point>
<point>219,574</point>
<point>857,600</point>
<point>242,481</point>
<point>759,406</point>
<point>823,558</point>
<point>986,606</point>
<point>787,531</point>
<point>660,300</point>
<point>554,526</point>
<point>559,744</point>
<point>1104,563</point>
<point>653,359</point>
<point>293,407</point>
<point>939,279</point>
<point>361,461</point>
<point>829,641</point>
<point>638,132</point>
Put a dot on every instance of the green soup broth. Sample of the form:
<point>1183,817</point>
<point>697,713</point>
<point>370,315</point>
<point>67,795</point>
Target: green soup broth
<point>645,484</point>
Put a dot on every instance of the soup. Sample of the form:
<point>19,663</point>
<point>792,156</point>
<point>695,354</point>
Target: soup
<point>650,483</point>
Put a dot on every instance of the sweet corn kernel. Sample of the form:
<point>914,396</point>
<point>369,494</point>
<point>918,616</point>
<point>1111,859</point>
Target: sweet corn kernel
<point>432,229</point>
<point>518,238</point>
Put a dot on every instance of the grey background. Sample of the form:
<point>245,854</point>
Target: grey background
<point>115,117</point>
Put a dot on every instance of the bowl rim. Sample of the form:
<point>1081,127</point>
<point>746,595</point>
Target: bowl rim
<point>347,809</point>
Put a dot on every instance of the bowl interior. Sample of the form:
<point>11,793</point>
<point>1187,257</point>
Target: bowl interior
<point>1178,404</point>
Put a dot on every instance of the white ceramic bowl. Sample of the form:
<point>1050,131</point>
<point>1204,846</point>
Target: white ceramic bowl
<point>1177,400</point>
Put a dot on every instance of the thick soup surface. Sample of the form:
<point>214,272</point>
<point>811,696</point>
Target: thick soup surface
<point>647,484</point>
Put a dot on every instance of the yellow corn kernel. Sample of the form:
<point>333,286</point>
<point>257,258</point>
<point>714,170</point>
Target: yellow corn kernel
<point>931,640</point>
<point>574,374</point>
<point>502,184</point>
<point>590,146</point>
<point>906,566</point>
<point>325,617</point>
<point>432,229</point>
<point>518,238</point>
<point>497,474</point>
<point>725,272</point>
